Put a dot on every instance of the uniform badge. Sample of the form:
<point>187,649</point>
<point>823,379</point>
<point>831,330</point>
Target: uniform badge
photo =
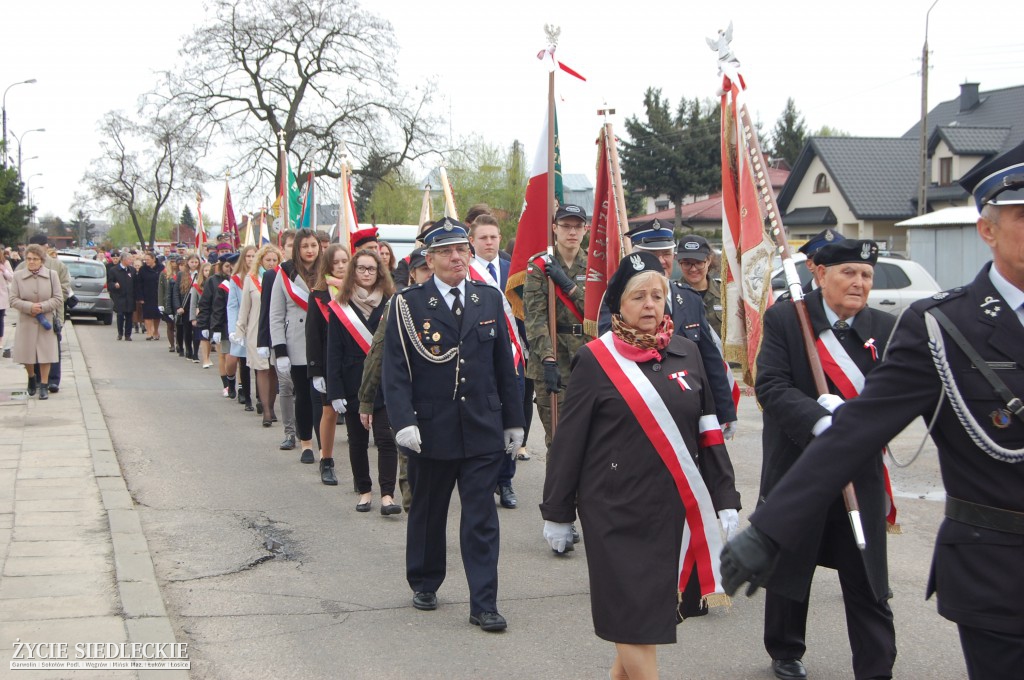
<point>432,302</point>
<point>436,337</point>
<point>1000,418</point>
<point>492,331</point>
<point>994,310</point>
<point>679,299</point>
<point>475,298</point>
<point>865,251</point>
<point>940,296</point>
<point>435,350</point>
<point>426,325</point>
<point>680,378</point>
<point>637,263</point>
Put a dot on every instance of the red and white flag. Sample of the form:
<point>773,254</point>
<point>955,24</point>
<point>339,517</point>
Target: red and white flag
<point>230,226</point>
<point>748,249</point>
<point>605,242</point>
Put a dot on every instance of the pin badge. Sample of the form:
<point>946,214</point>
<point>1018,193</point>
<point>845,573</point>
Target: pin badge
<point>475,298</point>
<point>679,299</point>
<point>426,325</point>
<point>432,302</point>
<point>436,336</point>
<point>989,300</point>
<point>1000,418</point>
<point>492,331</point>
<point>994,312</point>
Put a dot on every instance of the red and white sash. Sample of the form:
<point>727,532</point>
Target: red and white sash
<point>702,540</point>
<point>847,377</point>
<point>734,387</point>
<point>301,297</point>
<point>478,273</point>
<point>237,280</point>
<point>223,285</point>
<point>256,282</point>
<point>353,324</point>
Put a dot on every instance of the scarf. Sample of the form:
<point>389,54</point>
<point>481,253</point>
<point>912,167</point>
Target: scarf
<point>366,300</point>
<point>648,344</point>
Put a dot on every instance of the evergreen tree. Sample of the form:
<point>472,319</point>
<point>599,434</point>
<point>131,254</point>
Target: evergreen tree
<point>14,214</point>
<point>187,219</point>
<point>789,134</point>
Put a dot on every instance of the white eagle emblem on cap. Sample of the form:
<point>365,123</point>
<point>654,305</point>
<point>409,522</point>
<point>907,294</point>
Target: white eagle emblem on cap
<point>637,262</point>
<point>865,251</point>
<point>656,225</point>
<point>572,208</point>
<point>829,236</point>
<point>448,226</point>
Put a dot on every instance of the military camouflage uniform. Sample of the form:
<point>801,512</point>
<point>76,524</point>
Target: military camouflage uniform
<point>570,335</point>
<point>713,304</point>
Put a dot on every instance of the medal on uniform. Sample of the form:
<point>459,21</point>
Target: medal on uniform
<point>1000,418</point>
<point>436,337</point>
<point>426,325</point>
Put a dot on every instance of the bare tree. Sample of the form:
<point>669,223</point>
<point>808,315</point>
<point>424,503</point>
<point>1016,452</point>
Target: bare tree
<point>143,165</point>
<point>321,71</point>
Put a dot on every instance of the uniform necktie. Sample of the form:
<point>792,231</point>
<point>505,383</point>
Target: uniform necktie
<point>494,274</point>
<point>840,327</point>
<point>457,307</point>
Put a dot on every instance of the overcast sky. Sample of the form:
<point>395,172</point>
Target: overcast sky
<point>853,66</point>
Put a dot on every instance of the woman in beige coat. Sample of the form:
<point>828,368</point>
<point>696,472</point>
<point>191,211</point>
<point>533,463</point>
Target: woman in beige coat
<point>36,294</point>
<point>247,327</point>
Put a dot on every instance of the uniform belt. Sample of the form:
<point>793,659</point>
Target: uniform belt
<point>570,328</point>
<point>984,516</point>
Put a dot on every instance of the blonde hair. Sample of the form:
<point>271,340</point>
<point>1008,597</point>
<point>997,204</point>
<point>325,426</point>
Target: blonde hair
<point>262,252</point>
<point>642,278</point>
<point>241,270</point>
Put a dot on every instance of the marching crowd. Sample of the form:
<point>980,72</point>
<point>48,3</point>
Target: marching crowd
<point>428,355</point>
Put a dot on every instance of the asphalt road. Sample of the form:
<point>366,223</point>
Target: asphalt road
<point>329,600</point>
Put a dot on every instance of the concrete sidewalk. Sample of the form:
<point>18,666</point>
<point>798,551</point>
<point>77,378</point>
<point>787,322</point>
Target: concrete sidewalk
<point>75,567</point>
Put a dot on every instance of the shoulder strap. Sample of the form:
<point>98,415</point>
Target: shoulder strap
<point>1013,404</point>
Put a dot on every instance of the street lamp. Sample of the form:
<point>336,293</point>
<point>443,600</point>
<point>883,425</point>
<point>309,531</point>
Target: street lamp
<point>18,139</point>
<point>23,82</point>
<point>28,189</point>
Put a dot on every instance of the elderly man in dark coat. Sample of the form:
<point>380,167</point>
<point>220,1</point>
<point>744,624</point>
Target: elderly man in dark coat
<point>121,282</point>
<point>851,340</point>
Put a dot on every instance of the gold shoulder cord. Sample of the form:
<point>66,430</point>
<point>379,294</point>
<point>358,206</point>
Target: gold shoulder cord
<point>406,323</point>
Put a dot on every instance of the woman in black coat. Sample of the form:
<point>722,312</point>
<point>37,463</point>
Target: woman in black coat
<point>640,455</point>
<point>148,293</point>
<point>354,317</point>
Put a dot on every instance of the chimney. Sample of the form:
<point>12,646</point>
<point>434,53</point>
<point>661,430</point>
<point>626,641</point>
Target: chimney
<point>968,97</point>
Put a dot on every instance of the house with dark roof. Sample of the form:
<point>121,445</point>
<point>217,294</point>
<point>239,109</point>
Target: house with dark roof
<point>863,186</point>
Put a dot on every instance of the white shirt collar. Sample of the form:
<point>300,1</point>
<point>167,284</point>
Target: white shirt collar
<point>444,289</point>
<point>1011,294</point>
<point>833,317</point>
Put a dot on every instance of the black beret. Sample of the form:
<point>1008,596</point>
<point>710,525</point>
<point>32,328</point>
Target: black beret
<point>847,250</point>
<point>638,262</point>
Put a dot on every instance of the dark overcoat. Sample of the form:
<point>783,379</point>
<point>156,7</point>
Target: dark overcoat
<point>975,571</point>
<point>147,291</point>
<point>346,359</point>
<point>121,286</point>
<point>604,465</point>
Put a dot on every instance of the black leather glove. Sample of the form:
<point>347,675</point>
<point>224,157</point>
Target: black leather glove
<point>750,557</point>
<point>557,274</point>
<point>552,376</point>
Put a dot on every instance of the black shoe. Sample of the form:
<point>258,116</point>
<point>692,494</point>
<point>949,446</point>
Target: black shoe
<point>575,535</point>
<point>241,396</point>
<point>54,388</point>
<point>508,496</point>
<point>31,387</point>
<point>248,406</point>
<point>289,443</point>
<point>231,393</point>
<point>268,423</point>
<point>492,622</point>
<point>327,472</point>
<point>127,338</point>
<point>426,602</point>
<point>789,669</point>
<point>259,407</point>
<point>180,352</point>
<point>307,457</point>
<point>364,507</point>
<point>120,337</point>
<point>44,392</point>
<point>391,509</point>
<point>7,352</point>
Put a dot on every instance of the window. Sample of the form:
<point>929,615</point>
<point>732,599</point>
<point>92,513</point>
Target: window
<point>892,277</point>
<point>945,171</point>
<point>821,184</point>
<point>86,270</point>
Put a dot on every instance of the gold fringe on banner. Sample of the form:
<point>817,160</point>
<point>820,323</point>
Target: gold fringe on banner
<point>893,528</point>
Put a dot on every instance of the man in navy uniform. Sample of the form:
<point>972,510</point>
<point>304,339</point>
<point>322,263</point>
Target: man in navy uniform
<point>450,389</point>
<point>687,310</point>
<point>961,353</point>
<point>825,237</point>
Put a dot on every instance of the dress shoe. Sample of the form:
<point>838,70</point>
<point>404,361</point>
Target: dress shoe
<point>31,387</point>
<point>425,601</point>
<point>289,443</point>
<point>307,457</point>
<point>127,338</point>
<point>575,535</point>
<point>364,507</point>
<point>508,496</point>
<point>248,406</point>
<point>391,509</point>
<point>492,622</point>
<point>789,669</point>
<point>54,388</point>
<point>120,337</point>
<point>327,472</point>
<point>259,407</point>
<point>44,392</point>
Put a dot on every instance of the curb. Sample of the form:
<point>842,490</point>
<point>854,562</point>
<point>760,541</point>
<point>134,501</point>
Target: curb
<point>142,605</point>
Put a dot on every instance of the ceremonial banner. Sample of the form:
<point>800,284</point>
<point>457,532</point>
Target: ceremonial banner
<point>308,219</point>
<point>425,210</point>
<point>348,221</point>
<point>605,242</point>
<point>747,248</point>
<point>227,219</point>
<point>200,229</point>
<point>264,229</point>
<point>532,232</point>
<point>293,209</point>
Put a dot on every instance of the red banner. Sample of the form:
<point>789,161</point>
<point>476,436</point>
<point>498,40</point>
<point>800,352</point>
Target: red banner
<point>605,244</point>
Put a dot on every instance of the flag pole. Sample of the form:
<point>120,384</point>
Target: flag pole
<point>285,198</point>
<point>552,35</point>
<point>728,68</point>
<point>625,245</point>
<point>449,197</point>
<point>342,225</point>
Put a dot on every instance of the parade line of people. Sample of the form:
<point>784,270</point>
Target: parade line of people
<point>427,355</point>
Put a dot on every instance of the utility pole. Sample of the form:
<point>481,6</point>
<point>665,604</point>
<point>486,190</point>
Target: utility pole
<point>922,194</point>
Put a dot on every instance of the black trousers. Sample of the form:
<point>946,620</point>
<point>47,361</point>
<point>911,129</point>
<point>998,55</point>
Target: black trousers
<point>359,448</point>
<point>991,655</point>
<point>426,552</point>
<point>124,324</point>
<point>869,622</point>
<point>180,333</point>
<point>307,409</point>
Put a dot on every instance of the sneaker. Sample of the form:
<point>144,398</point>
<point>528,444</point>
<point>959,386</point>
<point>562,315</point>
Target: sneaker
<point>225,389</point>
<point>288,444</point>
<point>206,365</point>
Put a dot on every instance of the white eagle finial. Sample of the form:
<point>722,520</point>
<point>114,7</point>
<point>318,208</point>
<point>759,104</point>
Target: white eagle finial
<point>722,45</point>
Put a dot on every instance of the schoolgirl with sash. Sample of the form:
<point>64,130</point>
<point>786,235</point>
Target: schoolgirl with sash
<point>237,360</point>
<point>354,316</point>
<point>247,330</point>
<point>191,288</point>
<point>639,454</point>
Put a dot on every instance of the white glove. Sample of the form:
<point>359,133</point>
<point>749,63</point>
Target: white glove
<point>729,429</point>
<point>206,334</point>
<point>338,404</point>
<point>823,424</point>
<point>160,308</point>
<point>234,337</point>
<point>730,520</point>
<point>264,352</point>
<point>513,440</point>
<point>831,402</point>
<point>409,437</point>
<point>216,339</point>
<point>320,385</point>
<point>283,364</point>
<point>558,536</point>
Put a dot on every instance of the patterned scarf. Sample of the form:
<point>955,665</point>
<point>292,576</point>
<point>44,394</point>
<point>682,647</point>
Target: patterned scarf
<point>658,340</point>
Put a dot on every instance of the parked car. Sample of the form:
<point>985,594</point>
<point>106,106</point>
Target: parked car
<point>898,282</point>
<point>89,284</point>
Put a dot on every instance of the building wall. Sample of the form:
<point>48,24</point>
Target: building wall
<point>952,255</point>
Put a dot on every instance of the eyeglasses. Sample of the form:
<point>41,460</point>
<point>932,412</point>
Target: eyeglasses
<point>691,264</point>
<point>450,250</point>
<point>366,270</point>
<point>571,227</point>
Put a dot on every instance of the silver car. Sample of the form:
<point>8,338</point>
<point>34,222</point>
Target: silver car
<point>89,284</point>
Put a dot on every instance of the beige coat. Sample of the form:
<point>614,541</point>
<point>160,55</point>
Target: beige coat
<point>33,344</point>
<point>248,324</point>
